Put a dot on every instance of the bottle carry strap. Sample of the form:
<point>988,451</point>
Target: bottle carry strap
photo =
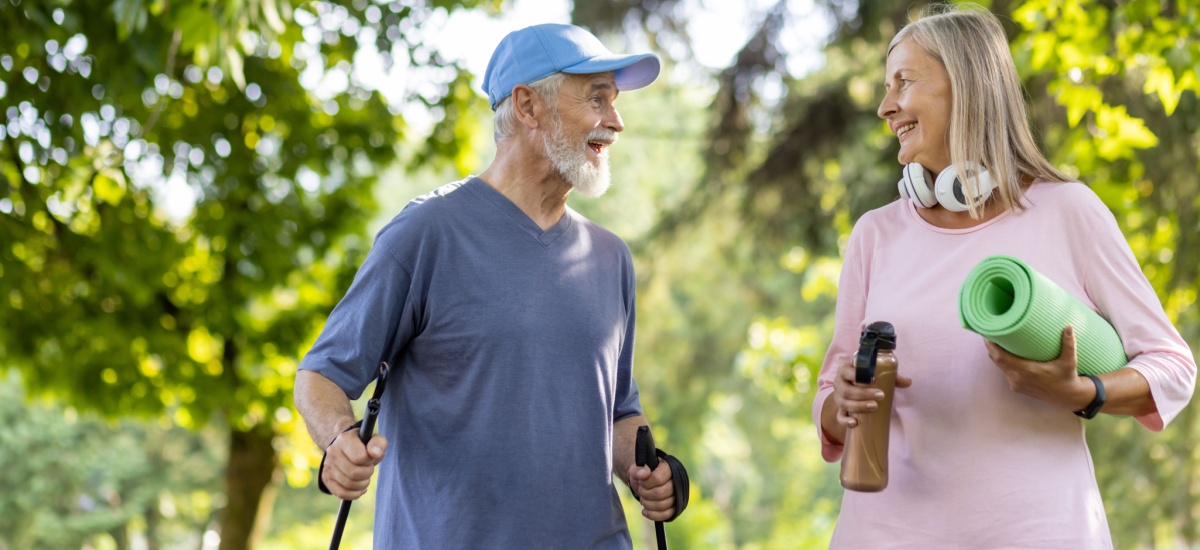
<point>864,364</point>
<point>876,336</point>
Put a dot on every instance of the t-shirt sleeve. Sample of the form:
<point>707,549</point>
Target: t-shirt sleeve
<point>848,317</point>
<point>627,400</point>
<point>1115,283</point>
<point>372,322</point>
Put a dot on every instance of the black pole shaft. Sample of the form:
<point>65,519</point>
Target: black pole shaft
<point>343,513</point>
<point>660,533</point>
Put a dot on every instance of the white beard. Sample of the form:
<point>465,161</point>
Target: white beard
<point>572,162</point>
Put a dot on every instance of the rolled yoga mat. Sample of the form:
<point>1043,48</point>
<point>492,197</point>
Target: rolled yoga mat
<point>1018,308</point>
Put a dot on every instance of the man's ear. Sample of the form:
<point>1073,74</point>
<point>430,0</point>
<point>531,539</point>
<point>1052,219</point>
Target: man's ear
<point>527,105</point>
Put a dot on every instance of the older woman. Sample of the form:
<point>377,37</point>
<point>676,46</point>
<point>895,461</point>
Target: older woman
<point>985,451</point>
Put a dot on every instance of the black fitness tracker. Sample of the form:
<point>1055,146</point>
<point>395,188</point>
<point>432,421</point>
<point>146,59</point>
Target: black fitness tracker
<point>1093,408</point>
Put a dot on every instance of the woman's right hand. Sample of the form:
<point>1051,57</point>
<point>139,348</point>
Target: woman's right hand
<point>851,398</point>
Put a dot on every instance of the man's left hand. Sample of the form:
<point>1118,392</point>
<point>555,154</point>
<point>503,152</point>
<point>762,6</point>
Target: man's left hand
<point>656,490</point>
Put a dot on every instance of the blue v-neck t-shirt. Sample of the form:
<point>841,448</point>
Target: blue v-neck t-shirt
<point>512,353</point>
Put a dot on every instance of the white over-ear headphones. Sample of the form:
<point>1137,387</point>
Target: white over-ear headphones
<point>947,190</point>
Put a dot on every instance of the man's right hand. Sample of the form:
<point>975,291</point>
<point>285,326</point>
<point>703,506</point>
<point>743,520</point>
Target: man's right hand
<point>349,464</point>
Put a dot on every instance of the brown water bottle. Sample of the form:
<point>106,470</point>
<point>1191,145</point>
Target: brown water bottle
<point>865,463</point>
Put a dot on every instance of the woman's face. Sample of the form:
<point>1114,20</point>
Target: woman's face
<point>917,106</point>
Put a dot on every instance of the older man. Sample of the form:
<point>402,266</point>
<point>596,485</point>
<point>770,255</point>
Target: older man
<point>509,321</point>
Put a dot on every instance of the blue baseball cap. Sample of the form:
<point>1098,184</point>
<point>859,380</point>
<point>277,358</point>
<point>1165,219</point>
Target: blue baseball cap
<point>536,52</point>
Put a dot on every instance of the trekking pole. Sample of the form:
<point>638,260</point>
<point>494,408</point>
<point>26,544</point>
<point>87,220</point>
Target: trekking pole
<point>646,454</point>
<point>364,433</point>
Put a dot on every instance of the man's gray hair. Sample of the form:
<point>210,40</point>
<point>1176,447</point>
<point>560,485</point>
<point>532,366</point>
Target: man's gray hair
<point>505,117</point>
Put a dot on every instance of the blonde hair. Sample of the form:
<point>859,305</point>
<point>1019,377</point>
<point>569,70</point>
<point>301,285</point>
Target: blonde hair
<point>504,120</point>
<point>988,121</point>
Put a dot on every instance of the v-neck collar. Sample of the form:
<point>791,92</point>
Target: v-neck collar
<point>518,216</point>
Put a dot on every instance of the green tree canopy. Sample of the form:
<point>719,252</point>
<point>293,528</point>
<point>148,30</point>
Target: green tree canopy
<point>181,206</point>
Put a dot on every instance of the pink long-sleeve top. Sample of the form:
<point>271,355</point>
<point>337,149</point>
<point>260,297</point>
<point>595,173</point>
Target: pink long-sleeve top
<point>972,463</point>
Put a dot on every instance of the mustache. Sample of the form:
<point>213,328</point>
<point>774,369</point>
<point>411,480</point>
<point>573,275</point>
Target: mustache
<point>600,135</point>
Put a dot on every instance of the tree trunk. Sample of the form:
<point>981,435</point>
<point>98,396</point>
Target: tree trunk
<point>249,489</point>
<point>152,517</point>
<point>120,536</point>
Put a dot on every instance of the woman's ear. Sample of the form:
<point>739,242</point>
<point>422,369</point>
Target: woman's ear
<point>527,105</point>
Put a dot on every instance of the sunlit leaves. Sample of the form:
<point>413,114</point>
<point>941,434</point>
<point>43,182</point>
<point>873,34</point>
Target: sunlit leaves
<point>203,347</point>
<point>1169,85</point>
<point>189,172</point>
<point>1119,134</point>
<point>779,358</point>
<point>1073,42</point>
<point>109,186</point>
<point>1078,99</point>
<point>130,16</point>
<point>1179,301</point>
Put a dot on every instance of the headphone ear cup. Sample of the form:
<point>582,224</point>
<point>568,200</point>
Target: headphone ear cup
<point>950,192</point>
<point>914,185</point>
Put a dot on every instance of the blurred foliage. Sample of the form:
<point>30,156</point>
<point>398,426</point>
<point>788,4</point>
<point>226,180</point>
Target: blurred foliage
<point>304,519</point>
<point>107,133</point>
<point>71,478</point>
<point>183,196</point>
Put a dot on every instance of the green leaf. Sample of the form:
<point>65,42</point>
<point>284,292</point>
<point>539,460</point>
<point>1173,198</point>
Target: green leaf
<point>1121,133</point>
<point>236,69</point>
<point>1160,80</point>
<point>1077,98</point>
<point>109,186</point>
<point>1044,45</point>
<point>130,17</point>
<point>270,11</point>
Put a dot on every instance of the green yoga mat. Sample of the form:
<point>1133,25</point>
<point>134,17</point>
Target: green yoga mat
<point>1018,308</point>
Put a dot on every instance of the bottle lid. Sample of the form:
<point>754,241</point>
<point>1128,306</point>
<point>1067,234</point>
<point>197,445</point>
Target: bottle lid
<point>884,332</point>
<point>878,335</point>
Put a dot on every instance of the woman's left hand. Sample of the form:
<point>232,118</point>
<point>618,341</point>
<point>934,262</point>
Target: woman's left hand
<point>1055,381</point>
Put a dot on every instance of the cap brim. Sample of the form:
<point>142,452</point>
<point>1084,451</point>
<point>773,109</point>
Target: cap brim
<point>630,71</point>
